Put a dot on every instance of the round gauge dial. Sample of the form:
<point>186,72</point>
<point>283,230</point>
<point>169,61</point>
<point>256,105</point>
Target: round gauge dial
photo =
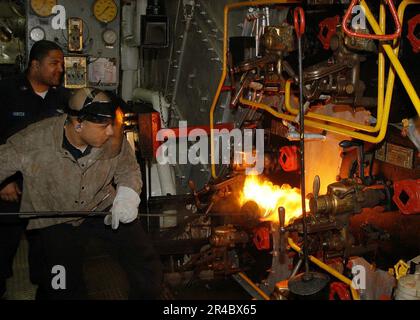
<point>37,34</point>
<point>43,8</point>
<point>109,37</point>
<point>105,10</point>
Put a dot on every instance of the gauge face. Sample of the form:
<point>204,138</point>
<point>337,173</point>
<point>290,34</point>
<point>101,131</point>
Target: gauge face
<point>43,8</point>
<point>37,34</point>
<point>105,10</point>
<point>109,37</point>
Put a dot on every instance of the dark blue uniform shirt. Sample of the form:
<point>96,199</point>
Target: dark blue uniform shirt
<point>20,106</point>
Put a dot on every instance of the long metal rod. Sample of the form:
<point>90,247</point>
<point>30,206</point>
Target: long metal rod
<point>302,144</point>
<point>51,214</point>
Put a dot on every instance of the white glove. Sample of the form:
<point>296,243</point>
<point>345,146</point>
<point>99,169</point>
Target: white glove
<point>125,207</point>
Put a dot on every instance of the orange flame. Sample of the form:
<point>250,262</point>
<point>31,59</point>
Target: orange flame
<point>270,197</point>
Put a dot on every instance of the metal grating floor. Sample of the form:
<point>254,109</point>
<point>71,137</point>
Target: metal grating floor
<point>105,280</point>
<point>19,287</point>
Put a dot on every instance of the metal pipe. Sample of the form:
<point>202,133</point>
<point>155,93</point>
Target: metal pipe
<point>381,89</point>
<point>380,124</point>
<point>393,55</point>
<point>223,76</point>
<point>296,268</point>
<point>253,285</point>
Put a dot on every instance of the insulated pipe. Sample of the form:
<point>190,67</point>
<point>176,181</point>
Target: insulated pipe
<point>165,174</point>
<point>156,99</point>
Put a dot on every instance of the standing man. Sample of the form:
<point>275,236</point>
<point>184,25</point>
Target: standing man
<point>25,99</point>
<point>82,162</point>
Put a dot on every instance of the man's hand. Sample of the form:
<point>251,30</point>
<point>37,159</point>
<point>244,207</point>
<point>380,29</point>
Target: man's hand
<point>125,207</point>
<point>10,192</point>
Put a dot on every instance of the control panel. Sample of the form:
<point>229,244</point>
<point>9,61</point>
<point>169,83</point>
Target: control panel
<point>88,31</point>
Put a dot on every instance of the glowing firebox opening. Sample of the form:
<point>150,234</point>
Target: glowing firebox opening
<point>270,197</point>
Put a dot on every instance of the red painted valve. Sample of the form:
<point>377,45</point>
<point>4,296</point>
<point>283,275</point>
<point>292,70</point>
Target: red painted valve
<point>299,21</point>
<point>339,289</point>
<point>330,26</point>
<point>407,196</point>
<point>412,24</point>
<point>262,238</point>
<point>288,158</point>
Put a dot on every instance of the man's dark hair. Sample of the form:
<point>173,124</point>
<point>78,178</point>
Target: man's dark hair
<point>40,50</point>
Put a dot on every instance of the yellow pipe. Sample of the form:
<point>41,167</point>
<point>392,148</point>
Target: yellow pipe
<point>334,129</point>
<point>327,268</point>
<point>388,97</point>
<point>223,76</point>
<point>253,285</point>
<point>392,54</point>
<point>381,71</point>
<point>393,57</point>
<point>326,118</point>
<point>381,89</point>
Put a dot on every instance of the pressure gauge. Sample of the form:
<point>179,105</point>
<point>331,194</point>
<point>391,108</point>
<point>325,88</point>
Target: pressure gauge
<point>43,8</point>
<point>109,37</point>
<point>105,10</point>
<point>37,34</point>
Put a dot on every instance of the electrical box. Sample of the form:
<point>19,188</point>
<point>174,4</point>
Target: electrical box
<point>88,31</point>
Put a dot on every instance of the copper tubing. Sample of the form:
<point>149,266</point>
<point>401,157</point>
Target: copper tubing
<point>382,37</point>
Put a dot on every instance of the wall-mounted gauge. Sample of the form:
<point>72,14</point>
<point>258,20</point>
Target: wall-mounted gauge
<point>105,10</point>
<point>43,8</point>
<point>109,37</point>
<point>37,34</point>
